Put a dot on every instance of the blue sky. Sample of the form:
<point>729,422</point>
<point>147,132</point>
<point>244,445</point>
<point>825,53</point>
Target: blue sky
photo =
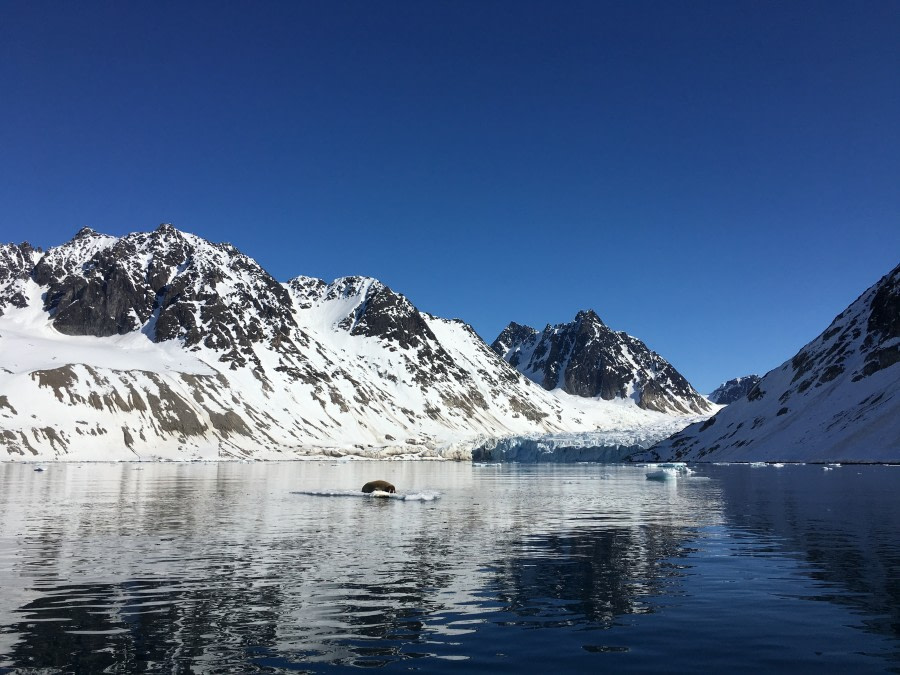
<point>716,178</point>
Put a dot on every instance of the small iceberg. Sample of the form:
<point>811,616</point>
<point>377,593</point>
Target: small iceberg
<point>668,471</point>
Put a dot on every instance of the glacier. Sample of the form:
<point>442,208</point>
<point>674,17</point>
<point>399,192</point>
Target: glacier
<point>614,445</point>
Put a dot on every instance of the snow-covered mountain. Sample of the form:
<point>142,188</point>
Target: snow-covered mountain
<point>837,399</point>
<point>164,345</point>
<point>732,390</point>
<point>586,358</point>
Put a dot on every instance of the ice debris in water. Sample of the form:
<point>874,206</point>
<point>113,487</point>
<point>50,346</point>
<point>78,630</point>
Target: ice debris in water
<point>668,471</point>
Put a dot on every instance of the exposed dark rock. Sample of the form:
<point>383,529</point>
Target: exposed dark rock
<point>734,390</point>
<point>171,412</point>
<point>229,423</point>
<point>4,403</point>
<point>513,334</point>
<point>879,359</point>
<point>884,319</point>
<point>757,392</point>
<point>59,379</point>
<point>391,317</point>
<point>16,264</point>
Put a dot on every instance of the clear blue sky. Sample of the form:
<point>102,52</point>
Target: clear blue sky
<point>716,178</point>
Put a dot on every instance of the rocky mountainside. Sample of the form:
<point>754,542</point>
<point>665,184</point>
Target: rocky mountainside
<point>733,390</point>
<point>164,345</point>
<point>16,264</point>
<point>837,399</point>
<point>588,359</point>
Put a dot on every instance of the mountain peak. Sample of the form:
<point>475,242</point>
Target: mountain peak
<point>167,284</point>
<point>167,230</point>
<point>586,358</point>
<point>590,316</point>
<point>85,232</point>
<point>513,334</point>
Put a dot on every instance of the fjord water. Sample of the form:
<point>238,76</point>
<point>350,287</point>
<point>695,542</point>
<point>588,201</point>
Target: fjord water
<point>282,567</point>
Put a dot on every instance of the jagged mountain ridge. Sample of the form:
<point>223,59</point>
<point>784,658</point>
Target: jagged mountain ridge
<point>163,344</point>
<point>837,399</point>
<point>586,358</point>
<point>733,390</point>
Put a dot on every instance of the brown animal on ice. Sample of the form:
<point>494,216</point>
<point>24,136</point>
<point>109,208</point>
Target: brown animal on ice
<point>382,485</point>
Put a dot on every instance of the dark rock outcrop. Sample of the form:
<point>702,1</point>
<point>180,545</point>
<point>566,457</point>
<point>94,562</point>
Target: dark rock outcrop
<point>734,390</point>
<point>16,264</point>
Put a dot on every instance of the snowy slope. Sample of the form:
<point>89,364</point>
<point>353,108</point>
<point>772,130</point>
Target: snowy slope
<point>837,399</point>
<point>586,358</point>
<point>164,345</point>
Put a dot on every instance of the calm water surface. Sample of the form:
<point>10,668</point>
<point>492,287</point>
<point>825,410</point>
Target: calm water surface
<point>282,568</point>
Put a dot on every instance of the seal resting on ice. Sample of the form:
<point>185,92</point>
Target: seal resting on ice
<point>382,485</point>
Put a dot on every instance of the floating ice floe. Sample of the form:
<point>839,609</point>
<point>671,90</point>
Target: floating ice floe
<point>668,471</point>
<point>380,494</point>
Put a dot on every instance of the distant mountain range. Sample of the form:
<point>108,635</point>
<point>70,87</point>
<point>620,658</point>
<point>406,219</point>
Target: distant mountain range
<point>733,390</point>
<point>164,345</point>
<point>836,400</point>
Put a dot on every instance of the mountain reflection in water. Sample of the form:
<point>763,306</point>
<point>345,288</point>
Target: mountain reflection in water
<point>210,567</point>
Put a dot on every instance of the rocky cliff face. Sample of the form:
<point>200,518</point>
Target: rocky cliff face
<point>837,399</point>
<point>162,344</point>
<point>586,358</point>
<point>16,264</point>
<point>733,390</point>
